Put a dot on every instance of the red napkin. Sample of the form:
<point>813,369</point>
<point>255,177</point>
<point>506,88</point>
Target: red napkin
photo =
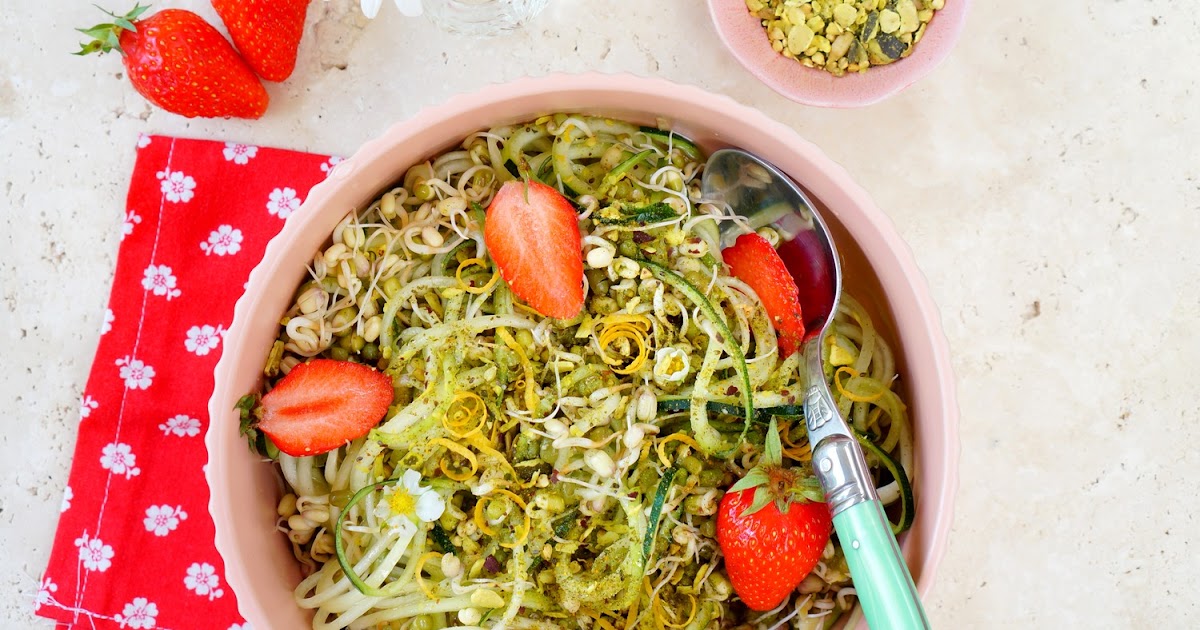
<point>134,546</point>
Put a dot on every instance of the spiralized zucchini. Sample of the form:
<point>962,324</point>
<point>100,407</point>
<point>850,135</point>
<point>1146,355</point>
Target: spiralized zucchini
<point>580,462</point>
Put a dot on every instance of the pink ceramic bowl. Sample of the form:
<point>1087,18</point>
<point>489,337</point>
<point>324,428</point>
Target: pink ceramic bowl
<point>746,39</point>
<point>879,269</point>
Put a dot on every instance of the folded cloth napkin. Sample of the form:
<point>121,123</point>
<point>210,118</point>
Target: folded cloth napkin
<point>134,546</point>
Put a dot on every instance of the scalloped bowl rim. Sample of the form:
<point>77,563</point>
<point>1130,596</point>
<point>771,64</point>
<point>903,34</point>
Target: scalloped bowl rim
<point>239,536</point>
<point>744,37</point>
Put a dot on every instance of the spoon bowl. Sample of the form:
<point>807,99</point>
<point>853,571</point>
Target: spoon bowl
<point>764,196</point>
<point>761,193</point>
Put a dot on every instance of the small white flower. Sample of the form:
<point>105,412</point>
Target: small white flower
<point>202,339</point>
<point>141,613</point>
<point>282,202</point>
<point>109,318</point>
<point>161,280</point>
<point>327,165</point>
<point>176,186</point>
<point>86,405</point>
<point>135,373</point>
<point>119,458</point>
<point>225,240</point>
<point>411,8</point>
<point>45,594</point>
<point>131,219</point>
<point>408,500</point>
<point>143,141</point>
<point>202,578</point>
<point>370,8</point>
<point>181,425</point>
<point>239,153</point>
<point>163,519</point>
<point>93,553</point>
<point>68,494</point>
<point>670,365</point>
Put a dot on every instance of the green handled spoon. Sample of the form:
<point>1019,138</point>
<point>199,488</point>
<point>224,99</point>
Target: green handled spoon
<point>765,196</point>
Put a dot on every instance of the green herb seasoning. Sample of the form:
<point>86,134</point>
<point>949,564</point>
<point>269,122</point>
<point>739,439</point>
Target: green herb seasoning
<point>841,36</point>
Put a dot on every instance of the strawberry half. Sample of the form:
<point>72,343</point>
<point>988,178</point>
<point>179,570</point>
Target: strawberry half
<point>266,32</point>
<point>322,404</point>
<point>533,235</point>
<point>752,260</point>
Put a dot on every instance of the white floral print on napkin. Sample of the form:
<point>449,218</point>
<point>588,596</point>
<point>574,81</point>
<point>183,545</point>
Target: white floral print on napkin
<point>177,186</point>
<point>239,153</point>
<point>118,458</point>
<point>202,579</point>
<point>282,202</point>
<point>93,553</point>
<point>203,339</point>
<point>135,373</point>
<point>131,219</point>
<point>86,405</point>
<point>181,425</point>
<point>226,240</point>
<point>163,519</point>
<point>141,613</point>
<point>160,279</point>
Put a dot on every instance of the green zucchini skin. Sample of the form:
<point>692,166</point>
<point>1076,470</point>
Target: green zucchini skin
<point>688,147</point>
<point>762,415</point>
<point>908,504</point>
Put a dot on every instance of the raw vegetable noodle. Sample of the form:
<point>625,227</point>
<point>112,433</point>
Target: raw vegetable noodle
<point>541,473</point>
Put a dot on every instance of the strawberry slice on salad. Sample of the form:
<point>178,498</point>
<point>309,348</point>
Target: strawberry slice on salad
<point>323,404</point>
<point>754,261</point>
<point>532,234</point>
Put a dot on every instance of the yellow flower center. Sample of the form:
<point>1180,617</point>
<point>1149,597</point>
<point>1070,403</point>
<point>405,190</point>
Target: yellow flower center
<point>401,502</point>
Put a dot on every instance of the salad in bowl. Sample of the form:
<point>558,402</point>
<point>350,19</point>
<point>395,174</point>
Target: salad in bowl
<point>525,386</point>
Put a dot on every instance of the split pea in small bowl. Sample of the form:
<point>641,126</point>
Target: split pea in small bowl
<point>839,53</point>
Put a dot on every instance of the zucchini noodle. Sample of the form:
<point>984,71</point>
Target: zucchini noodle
<point>579,463</point>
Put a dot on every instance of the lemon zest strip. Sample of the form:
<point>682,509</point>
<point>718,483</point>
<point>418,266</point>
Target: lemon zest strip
<point>461,451</point>
<point>530,397</point>
<point>425,557</point>
<point>674,437</point>
<point>470,289</point>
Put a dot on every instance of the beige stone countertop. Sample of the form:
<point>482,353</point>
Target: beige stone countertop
<point>1047,176</point>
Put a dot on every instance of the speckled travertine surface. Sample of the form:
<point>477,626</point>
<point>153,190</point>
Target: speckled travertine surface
<point>1047,177</point>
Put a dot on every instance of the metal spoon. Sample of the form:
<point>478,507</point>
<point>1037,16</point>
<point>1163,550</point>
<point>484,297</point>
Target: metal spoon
<point>765,196</point>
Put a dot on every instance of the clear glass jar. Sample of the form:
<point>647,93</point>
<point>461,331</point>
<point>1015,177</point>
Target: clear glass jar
<point>482,18</point>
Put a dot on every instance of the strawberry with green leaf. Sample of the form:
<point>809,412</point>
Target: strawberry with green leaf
<point>772,527</point>
<point>180,63</point>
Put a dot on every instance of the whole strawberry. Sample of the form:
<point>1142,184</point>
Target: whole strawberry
<point>181,63</point>
<point>266,32</point>
<point>772,527</point>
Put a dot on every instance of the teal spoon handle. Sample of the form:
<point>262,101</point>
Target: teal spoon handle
<point>881,579</point>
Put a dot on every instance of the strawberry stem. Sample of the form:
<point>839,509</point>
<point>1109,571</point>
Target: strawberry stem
<point>107,37</point>
<point>775,484</point>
